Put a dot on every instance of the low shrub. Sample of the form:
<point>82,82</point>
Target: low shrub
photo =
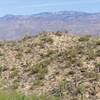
<point>84,38</point>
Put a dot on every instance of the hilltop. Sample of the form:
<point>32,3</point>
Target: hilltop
<point>14,27</point>
<point>58,64</point>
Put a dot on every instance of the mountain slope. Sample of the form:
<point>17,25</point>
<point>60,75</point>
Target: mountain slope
<point>58,64</point>
<point>14,27</point>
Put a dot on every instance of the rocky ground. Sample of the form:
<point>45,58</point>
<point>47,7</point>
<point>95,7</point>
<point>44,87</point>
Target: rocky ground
<point>58,64</point>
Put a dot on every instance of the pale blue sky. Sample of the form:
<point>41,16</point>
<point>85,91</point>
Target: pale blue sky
<point>27,7</point>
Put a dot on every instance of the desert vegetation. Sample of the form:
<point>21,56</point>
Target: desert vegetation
<point>50,66</point>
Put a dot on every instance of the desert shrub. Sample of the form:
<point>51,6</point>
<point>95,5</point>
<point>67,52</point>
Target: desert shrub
<point>40,68</point>
<point>63,84</point>
<point>98,42</point>
<point>72,52</point>
<point>1,54</point>
<point>1,44</point>
<point>80,49</point>
<point>18,48</point>
<point>91,54</point>
<point>97,66</point>
<point>37,82</point>
<point>84,38</point>
<point>14,86</point>
<point>28,50</point>
<point>98,53</point>
<point>80,89</point>
<point>19,55</point>
<point>72,55</point>
<point>58,33</point>
<point>40,44</point>
<point>47,40</point>
<point>90,74</point>
<point>14,73</point>
<point>27,37</point>
<point>57,92</point>
<point>50,53</point>
<point>3,68</point>
<point>70,88</point>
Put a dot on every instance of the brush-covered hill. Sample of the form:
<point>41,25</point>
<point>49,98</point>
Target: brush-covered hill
<point>56,64</point>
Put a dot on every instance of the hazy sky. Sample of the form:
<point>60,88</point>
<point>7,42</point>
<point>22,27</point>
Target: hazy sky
<point>35,6</point>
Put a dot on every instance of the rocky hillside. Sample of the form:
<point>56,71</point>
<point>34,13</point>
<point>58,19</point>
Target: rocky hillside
<point>57,64</point>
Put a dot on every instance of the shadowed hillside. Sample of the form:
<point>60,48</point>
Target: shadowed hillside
<point>57,64</point>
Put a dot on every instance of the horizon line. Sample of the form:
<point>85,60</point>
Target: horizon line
<point>41,12</point>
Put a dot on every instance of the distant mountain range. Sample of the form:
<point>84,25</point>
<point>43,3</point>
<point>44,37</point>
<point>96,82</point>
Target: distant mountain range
<point>17,26</point>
